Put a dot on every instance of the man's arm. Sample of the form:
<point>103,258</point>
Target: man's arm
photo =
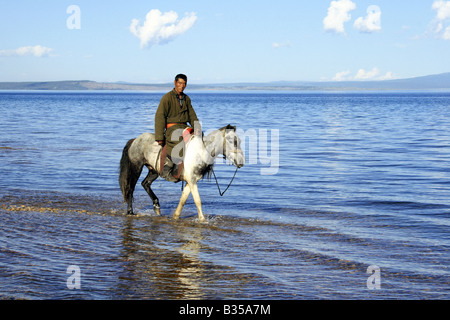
<point>160,121</point>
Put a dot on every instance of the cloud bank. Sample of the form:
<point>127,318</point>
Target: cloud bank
<point>161,28</point>
<point>341,76</point>
<point>338,14</point>
<point>363,74</point>
<point>366,75</point>
<point>36,51</point>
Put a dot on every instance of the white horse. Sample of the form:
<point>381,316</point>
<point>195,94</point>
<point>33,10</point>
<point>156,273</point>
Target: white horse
<point>199,157</point>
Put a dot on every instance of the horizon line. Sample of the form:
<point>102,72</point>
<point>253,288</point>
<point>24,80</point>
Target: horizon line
<point>231,83</point>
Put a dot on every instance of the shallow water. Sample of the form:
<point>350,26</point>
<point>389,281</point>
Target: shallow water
<point>363,180</point>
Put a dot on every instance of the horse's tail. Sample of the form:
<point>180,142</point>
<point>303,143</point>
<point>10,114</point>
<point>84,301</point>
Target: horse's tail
<point>129,173</point>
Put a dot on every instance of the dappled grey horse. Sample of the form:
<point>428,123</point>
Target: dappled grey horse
<point>199,157</point>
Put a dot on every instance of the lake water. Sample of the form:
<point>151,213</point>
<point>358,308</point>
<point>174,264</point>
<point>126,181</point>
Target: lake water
<point>343,196</point>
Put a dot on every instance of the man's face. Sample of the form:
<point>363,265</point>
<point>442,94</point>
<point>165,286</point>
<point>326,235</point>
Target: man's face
<point>180,85</point>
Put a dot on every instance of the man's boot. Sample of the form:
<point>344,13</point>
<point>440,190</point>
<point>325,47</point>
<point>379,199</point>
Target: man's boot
<point>168,170</point>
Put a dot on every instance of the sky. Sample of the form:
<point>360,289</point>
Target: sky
<point>223,41</point>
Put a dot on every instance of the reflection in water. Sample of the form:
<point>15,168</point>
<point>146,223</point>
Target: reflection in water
<point>153,266</point>
<point>191,270</point>
<point>161,260</point>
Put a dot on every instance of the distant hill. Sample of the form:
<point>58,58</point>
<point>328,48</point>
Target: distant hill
<point>431,82</point>
<point>80,85</point>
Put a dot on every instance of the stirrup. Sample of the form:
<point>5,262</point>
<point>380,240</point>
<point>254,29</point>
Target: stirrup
<point>167,173</point>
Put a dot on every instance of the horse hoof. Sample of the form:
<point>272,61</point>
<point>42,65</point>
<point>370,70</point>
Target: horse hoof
<point>157,210</point>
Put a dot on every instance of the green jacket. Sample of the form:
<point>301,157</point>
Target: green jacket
<point>170,111</point>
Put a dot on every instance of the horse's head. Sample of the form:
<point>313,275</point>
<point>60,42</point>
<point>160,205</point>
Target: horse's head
<point>232,146</point>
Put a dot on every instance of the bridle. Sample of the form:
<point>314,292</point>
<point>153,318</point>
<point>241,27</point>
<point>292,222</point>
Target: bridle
<point>225,158</point>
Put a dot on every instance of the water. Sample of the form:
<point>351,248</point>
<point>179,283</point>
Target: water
<point>360,179</point>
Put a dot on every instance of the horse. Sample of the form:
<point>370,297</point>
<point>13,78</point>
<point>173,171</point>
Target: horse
<point>200,153</point>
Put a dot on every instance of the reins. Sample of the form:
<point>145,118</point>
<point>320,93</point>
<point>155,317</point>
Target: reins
<point>217,183</point>
<point>215,178</point>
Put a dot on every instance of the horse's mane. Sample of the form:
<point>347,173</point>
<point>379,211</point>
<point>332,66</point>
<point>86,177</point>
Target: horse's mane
<point>228,127</point>
<point>208,170</point>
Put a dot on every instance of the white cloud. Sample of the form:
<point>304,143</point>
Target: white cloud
<point>441,23</point>
<point>362,74</point>
<point>37,51</point>
<point>442,8</point>
<point>366,75</point>
<point>388,76</point>
<point>341,76</point>
<point>446,34</point>
<point>160,28</point>
<point>372,22</point>
<point>338,14</point>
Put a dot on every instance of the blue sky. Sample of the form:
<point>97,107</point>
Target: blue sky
<point>223,41</point>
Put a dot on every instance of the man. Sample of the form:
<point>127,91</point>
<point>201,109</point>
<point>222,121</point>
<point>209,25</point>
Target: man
<point>171,118</point>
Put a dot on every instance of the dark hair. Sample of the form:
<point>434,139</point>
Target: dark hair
<point>182,76</point>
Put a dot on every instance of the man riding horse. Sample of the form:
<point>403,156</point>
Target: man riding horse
<point>171,123</point>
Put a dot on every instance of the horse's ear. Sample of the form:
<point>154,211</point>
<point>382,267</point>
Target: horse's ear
<point>229,126</point>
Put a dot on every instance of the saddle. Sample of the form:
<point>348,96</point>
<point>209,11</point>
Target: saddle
<point>177,169</point>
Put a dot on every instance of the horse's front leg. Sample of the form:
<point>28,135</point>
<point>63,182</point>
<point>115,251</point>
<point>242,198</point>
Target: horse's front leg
<point>183,199</point>
<point>198,202</point>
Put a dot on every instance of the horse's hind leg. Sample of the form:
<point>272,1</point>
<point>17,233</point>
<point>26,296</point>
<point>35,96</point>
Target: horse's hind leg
<point>147,183</point>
